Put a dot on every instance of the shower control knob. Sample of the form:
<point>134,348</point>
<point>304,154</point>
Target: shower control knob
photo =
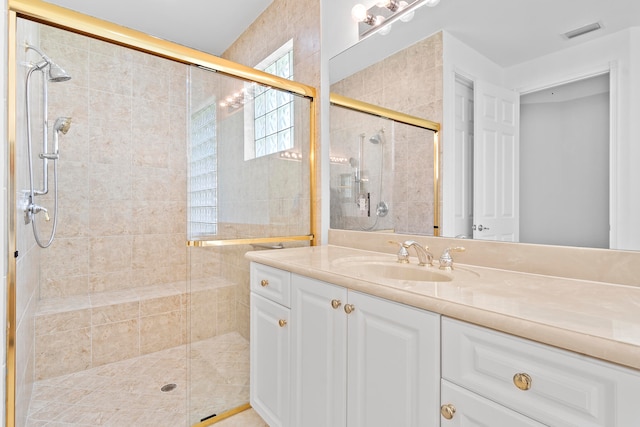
<point>34,209</point>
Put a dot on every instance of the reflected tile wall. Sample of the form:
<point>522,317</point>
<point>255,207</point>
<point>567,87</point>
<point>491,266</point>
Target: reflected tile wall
<point>386,84</point>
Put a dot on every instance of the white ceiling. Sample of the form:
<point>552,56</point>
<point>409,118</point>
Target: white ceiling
<point>510,32</point>
<point>209,26</point>
<point>506,31</point>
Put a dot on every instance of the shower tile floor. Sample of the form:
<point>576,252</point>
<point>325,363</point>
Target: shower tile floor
<point>127,393</point>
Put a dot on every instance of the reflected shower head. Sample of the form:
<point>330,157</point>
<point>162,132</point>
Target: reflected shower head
<point>378,138</point>
<point>62,125</point>
<point>56,72</point>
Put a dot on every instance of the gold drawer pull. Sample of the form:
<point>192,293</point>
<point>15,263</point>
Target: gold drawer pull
<point>264,283</point>
<point>448,411</point>
<point>335,303</point>
<point>522,381</point>
<point>282,323</point>
<point>348,308</point>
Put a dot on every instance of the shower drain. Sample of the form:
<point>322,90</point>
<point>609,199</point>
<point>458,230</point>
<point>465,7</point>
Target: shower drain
<point>168,387</point>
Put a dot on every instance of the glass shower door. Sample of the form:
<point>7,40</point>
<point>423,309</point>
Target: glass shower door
<point>248,189</point>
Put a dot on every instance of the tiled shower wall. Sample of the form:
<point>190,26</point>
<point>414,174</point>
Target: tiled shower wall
<point>281,21</point>
<point>122,169</point>
<point>385,84</point>
<point>113,282</point>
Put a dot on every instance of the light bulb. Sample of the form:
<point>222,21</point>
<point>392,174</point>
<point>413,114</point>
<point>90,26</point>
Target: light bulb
<point>382,3</point>
<point>385,30</point>
<point>432,3</point>
<point>359,12</point>
<point>408,16</point>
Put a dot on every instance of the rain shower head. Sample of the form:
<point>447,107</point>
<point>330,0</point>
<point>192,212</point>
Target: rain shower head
<point>56,72</point>
<point>62,125</point>
<point>378,138</point>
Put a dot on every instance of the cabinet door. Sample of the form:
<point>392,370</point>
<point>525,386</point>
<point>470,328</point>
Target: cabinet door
<point>318,353</point>
<point>269,354</point>
<point>472,410</point>
<point>393,364</point>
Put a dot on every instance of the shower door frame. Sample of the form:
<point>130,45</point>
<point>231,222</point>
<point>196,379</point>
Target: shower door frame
<point>56,16</point>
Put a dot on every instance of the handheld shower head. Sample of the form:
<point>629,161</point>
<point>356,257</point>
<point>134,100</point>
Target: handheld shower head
<point>62,125</point>
<point>56,72</point>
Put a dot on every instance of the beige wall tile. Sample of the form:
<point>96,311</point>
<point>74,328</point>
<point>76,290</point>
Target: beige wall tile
<point>162,331</point>
<point>149,307</point>
<point>112,342</point>
<point>112,313</point>
<point>110,254</point>
<point>60,322</point>
<point>62,353</point>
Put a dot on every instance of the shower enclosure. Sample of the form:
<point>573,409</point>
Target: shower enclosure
<point>384,169</point>
<point>137,312</point>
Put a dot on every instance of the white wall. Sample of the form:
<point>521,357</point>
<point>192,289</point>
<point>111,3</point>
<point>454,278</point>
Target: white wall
<point>619,53</point>
<point>564,175</point>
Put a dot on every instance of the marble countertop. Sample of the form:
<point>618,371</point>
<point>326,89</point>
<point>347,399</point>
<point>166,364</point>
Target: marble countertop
<point>597,319</point>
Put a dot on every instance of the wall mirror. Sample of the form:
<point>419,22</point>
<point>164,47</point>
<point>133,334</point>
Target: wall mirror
<point>506,90</point>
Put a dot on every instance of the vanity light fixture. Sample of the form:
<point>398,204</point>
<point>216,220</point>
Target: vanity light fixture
<point>380,17</point>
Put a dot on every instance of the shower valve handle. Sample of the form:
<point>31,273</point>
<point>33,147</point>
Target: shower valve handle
<point>34,209</point>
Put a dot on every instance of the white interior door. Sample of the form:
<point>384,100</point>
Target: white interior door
<point>463,155</point>
<point>496,163</point>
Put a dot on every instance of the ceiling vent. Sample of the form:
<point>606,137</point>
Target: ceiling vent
<point>582,30</point>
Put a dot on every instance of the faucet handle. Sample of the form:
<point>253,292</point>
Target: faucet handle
<point>403,254</point>
<point>446,261</point>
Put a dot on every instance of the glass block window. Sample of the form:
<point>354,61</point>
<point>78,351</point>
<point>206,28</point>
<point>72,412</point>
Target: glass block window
<point>203,174</point>
<point>273,109</point>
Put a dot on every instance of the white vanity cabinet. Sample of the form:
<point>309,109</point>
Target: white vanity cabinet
<point>270,348</point>
<point>468,409</point>
<point>383,355</point>
<point>340,358</point>
<point>523,378</point>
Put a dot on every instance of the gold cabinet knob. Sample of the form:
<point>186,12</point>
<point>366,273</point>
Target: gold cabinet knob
<point>348,308</point>
<point>522,381</point>
<point>335,303</point>
<point>447,411</point>
<point>264,282</point>
<point>282,323</point>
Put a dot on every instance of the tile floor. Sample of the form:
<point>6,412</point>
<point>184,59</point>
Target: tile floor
<point>127,393</point>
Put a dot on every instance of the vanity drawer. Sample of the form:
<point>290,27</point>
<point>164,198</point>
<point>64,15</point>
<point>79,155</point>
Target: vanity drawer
<point>552,386</point>
<point>272,283</point>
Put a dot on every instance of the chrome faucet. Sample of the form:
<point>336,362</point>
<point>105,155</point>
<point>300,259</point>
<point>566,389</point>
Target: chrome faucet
<point>446,261</point>
<point>424,256</point>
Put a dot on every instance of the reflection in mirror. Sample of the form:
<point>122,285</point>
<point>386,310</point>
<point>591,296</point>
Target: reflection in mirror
<point>408,179</point>
<point>382,174</point>
<point>527,61</point>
